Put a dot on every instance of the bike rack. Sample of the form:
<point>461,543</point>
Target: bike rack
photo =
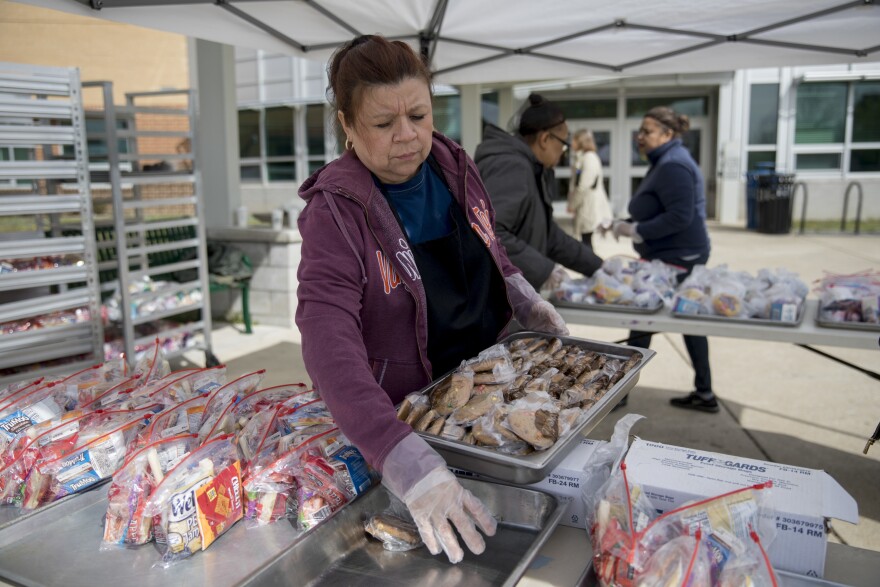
<point>851,185</point>
<point>803,205</point>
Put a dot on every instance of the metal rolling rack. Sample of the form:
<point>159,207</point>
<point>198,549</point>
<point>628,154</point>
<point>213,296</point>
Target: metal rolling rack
<point>41,117</point>
<point>158,214</point>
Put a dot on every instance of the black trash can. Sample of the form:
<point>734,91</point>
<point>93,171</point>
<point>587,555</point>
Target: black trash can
<point>762,168</point>
<point>774,203</point>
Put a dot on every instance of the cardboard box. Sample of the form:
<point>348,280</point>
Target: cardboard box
<point>802,498</point>
<point>564,482</point>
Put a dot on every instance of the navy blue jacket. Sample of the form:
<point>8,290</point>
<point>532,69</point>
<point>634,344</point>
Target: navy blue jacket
<point>670,206</point>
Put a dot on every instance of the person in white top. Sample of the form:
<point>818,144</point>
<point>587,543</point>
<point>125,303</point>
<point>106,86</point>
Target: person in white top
<point>587,199</point>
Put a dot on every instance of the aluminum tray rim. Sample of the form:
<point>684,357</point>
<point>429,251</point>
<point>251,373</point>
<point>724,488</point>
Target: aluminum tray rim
<point>537,465</point>
<point>608,307</point>
<point>863,326</point>
<point>752,321</point>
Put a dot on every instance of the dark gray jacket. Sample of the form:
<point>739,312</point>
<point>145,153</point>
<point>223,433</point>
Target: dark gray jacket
<point>522,191</point>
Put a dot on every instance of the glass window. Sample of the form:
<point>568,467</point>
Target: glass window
<point>866,112</point>
<point>603,146</point>
<point>279,132</point>
<point>821,113</point>
<point>825,161</point>
<point>574,109</point>
<point>282,171</point>
<point>756,157</point>
<point>864,160</point>
<point>763,114</point>
<point>248,134</point>
<point>315,129</point>
<point>447,116</point>
<point>489,108</point>
<point>315,166</point>
<point>691,106</point>
<point>250,173</point>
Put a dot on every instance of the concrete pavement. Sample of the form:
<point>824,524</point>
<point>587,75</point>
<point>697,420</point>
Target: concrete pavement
<point>779,402</point>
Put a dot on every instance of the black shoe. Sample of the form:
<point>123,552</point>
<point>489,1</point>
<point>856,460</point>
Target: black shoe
<point>692,401</point>
<point>623,401</point>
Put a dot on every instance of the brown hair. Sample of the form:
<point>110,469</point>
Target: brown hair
<point>369,61</point>
<point>669,118</point>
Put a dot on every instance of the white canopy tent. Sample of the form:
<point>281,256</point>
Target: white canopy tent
<point>498,41</point>
<point>476,44</point>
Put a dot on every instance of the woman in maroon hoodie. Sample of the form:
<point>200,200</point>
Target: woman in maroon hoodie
<point>402,278</point>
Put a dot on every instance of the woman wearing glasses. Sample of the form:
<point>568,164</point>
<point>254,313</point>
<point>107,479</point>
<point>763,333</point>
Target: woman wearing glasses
<point>668,222</point>
<point>517,171</point>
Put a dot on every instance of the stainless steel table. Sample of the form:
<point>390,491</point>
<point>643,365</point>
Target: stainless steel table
<point>806,333</point>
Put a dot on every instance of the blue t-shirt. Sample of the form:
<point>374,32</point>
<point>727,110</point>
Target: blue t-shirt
<point>422,204</point>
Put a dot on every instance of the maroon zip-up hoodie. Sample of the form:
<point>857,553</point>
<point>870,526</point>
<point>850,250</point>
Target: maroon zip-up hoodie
<point>362,309</point>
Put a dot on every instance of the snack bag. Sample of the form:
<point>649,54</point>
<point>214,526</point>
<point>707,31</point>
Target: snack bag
<point>683,561</point>
<point>217,419</point>
<point>152,365</point>
<point>40,404</point>
<point>219,503</point>
<point>182,418</point>
<point>44,441</point>
<point>19,387</point>
<point>750,567</point>
<point>99,451</point>
<point>111,396</point>
<point>395,528</point>
<point>125,523</point>
<point>173,504</point>
<point>185,384</point>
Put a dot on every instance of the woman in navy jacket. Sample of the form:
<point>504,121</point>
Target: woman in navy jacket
<point>668,222</point>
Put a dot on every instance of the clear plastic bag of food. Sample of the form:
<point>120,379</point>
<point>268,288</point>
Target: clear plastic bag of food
<point>44,441</point>
<point>182,418</point>
<point>608,289</point>
<point>492,366</point>
<point>125,523</point>
<point>111,395</point>
<point>39,404</point>
<point>198,500</point>
<point>100,449</point>
<point>684,561</point>
<point>317,477</point>
<point>726,522</point>
<point>216,418</point>
<point>151,365</point>
<point>750,568</point>
<point>180,386</point>
<point>19,387</point>
<point>394,528</point>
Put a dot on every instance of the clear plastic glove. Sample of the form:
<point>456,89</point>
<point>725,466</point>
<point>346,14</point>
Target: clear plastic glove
<point>418,476</point>
<point>605,226</point>
<point>624,228</point>
<point>557,277</point>
<point>531,310</point>
<point>438,499</point>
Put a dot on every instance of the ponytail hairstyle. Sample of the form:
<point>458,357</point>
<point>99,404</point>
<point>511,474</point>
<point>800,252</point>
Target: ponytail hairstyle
<point>538,115</point>
<point>669,118</point>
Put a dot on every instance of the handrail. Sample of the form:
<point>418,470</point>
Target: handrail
<point>803,205</point>
<point>851,185</point>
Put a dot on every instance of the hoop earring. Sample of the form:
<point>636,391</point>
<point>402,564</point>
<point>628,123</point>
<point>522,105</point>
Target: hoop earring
<point>348,144</point>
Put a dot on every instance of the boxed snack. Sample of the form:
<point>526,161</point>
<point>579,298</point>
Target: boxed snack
<point>802,498</point>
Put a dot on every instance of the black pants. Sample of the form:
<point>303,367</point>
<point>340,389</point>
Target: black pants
<point>587,239</point>
<point>697,346</point>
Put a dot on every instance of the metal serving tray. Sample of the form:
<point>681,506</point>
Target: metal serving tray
<point>608,307</point>
<point>762,321</point>
<point>532,468</point>
<point>60,547</point>
<point>867,326</point>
